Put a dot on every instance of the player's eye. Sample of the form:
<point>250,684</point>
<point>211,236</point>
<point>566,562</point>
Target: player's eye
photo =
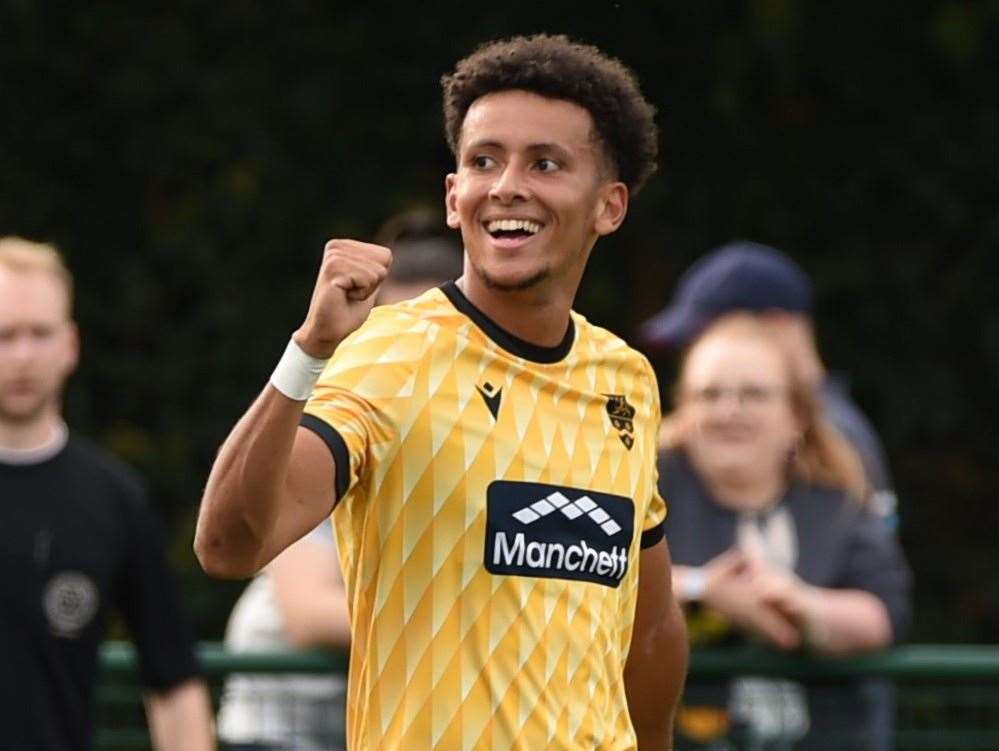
<point>481,161</point>
<point>547,165</point>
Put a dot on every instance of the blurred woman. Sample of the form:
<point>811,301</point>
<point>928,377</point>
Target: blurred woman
<point>772,544</point>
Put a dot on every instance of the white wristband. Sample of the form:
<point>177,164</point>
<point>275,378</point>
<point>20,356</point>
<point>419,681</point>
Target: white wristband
<point>297,372</point>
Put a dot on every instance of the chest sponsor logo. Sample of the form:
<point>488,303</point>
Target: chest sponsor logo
<point>70,601</point>
<point>555,532</point>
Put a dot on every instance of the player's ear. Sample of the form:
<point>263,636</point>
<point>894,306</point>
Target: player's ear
<point>451,201</point>
<point>612,206</point>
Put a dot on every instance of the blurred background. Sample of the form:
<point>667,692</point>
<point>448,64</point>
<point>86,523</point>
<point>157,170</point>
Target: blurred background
<point>191,158</point>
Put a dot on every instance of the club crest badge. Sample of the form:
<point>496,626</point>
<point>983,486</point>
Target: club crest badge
<point>622,418</point>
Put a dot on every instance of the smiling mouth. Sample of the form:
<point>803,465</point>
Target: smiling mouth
<point>513,229</point>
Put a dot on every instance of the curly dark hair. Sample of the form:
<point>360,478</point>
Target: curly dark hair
<point>558,68</point>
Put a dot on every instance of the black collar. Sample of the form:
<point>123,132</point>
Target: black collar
<point>512,344</point>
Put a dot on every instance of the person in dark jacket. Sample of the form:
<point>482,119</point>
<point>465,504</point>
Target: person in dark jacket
<point>774,544</point>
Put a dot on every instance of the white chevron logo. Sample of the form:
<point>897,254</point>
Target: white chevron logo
<point>571,509</point>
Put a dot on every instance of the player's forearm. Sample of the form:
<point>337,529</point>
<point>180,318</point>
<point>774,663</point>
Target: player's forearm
<point>247,487</point>
<point>657,658</point>
<point>654,677</point>
<point>180,718</point>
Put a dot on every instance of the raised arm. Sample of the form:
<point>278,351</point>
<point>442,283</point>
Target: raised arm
<point>657,662</point>
<point>272,481</point>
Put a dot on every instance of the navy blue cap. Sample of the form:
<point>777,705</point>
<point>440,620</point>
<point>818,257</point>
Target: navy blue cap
<point>737,276</point>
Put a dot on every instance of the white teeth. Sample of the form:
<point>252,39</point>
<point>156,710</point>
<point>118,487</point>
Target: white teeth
<point>511,225</point>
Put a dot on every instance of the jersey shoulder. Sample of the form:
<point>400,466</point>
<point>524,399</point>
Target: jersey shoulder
<point>380,360</point>
<point>596,341</point>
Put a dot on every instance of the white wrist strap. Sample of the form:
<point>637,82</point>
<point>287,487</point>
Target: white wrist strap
<point>297,372</point>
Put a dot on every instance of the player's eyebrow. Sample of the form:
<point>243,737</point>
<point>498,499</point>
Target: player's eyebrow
<point>549,148</point>
<point>534,148</point>
<point>484,144</point>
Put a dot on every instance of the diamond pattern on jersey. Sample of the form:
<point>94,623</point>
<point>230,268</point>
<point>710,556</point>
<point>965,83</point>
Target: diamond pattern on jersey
<point>447,654</point>
<point>572,510</point>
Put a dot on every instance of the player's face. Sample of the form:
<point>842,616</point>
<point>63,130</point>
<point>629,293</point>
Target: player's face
<point>736,401</point>
<point>531,193</point>
<point>38,344</point>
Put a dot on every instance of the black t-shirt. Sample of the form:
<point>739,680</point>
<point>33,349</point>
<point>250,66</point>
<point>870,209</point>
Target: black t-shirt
<point>77,539</point>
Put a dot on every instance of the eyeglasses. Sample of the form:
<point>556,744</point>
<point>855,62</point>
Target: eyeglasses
<point>748,395</point>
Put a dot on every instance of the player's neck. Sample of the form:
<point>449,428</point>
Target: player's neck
<point>35,433</point>
<point>538,316</point>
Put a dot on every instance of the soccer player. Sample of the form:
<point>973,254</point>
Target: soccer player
<point>78,540</point>
<point>490,454</point>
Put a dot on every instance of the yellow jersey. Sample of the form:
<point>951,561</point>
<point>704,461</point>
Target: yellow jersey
<point>493,499</point>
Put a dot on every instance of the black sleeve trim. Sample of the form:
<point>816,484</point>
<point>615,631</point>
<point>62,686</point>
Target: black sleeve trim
<point>334,441</point>
<point>652,536</point>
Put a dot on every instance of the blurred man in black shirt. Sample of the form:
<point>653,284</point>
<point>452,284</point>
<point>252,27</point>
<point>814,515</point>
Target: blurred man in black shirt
<point>78,538</point>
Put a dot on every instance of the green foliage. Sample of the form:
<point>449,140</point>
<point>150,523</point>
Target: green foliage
<point>192,158</point>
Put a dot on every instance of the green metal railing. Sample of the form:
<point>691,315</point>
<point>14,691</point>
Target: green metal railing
<point>948,694</point>
<point>935,662</point>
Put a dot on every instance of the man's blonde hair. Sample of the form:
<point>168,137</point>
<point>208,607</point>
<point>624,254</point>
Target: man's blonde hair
<point>20,255</point>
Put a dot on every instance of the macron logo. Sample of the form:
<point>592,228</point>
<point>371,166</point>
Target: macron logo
<point>571,509</point>
<point>491,395</point>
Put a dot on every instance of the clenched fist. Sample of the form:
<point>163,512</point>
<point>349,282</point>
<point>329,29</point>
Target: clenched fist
<point>344,295</point>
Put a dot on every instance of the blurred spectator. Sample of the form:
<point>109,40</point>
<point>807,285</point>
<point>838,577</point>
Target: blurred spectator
<point>752,277</point>
<point>422,257</point>
<point>78,538</point>
<point>771,544</point>
<point>299,601</point>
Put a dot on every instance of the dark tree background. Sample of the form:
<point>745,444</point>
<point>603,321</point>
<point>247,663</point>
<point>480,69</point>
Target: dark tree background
<point>191,158</point>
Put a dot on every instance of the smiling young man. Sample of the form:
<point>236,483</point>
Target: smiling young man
<point>490,454</point>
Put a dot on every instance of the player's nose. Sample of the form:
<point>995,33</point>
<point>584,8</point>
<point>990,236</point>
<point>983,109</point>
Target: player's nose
<point>510,185</point>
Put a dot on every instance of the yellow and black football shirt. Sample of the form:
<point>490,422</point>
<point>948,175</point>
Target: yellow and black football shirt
<point>493,500</point>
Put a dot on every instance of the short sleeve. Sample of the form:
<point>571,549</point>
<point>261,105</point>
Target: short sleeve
<point>654,524</point>
<point>654,528</point>
<point>150,602</point>
<point>362,400</point>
